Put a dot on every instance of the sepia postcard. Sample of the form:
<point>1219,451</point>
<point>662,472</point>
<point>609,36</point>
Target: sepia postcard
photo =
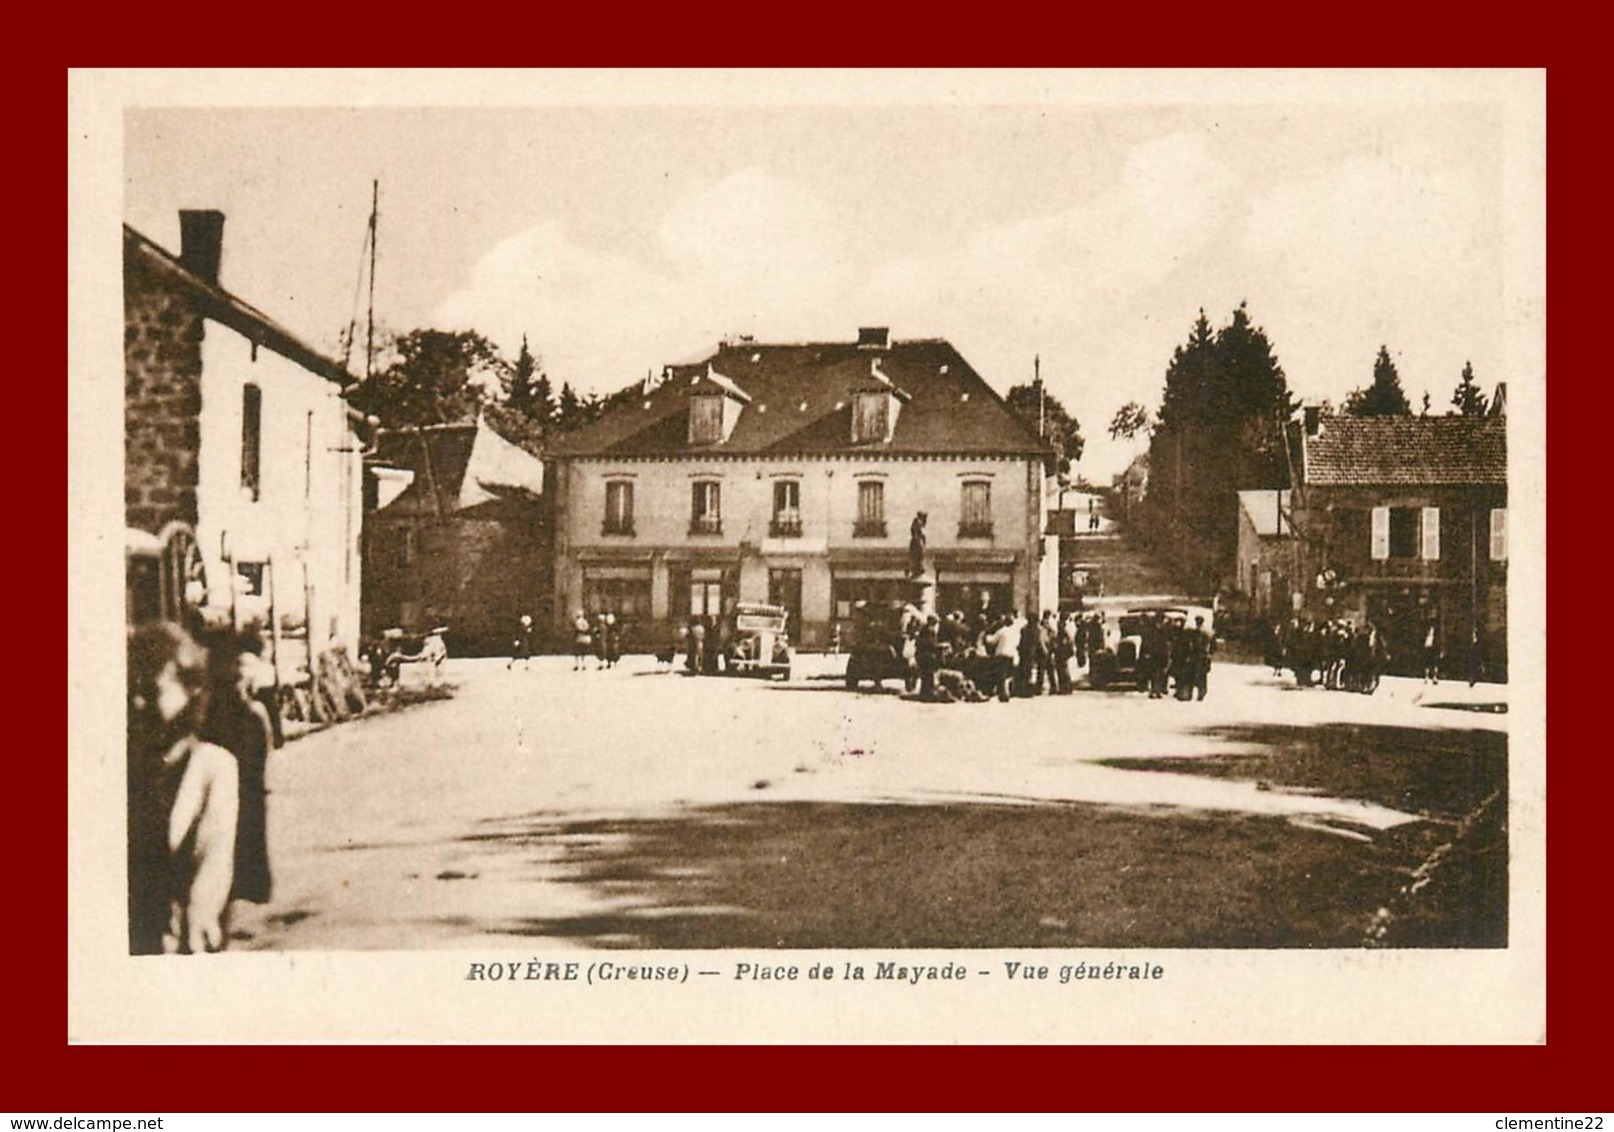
<point>851,557</point>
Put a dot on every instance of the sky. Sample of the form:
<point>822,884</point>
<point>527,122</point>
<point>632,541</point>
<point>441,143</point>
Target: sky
<point>1080,229</point>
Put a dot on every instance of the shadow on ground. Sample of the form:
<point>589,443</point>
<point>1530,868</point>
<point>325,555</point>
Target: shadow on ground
<point>799,875</point>
<point>1434,772</point>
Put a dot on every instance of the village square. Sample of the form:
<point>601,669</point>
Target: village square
<point>827,640</point>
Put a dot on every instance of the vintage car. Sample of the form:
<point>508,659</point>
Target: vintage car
<point>759,643</point>
<point>1123,642</point>
<point>874,644</point>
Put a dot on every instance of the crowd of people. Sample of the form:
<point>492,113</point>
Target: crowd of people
<point>599,637</point>
<point>1336,654</point>
<point>201,722</point>
<point>1006,655</point>
<point>1174,658</point>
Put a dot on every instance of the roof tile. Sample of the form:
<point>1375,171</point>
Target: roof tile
<point>1408,451</point>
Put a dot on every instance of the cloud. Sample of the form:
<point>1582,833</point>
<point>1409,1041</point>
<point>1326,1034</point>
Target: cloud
<point>754,240</point>
<point>1334,258</point>
<point>750,252</point>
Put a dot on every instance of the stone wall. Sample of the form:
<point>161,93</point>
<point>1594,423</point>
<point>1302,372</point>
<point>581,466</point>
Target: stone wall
<point>477,576</point>
<point>162,399</point>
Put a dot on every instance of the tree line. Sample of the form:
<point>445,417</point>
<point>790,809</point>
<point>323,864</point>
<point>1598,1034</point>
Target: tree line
<point>1223,427</point>
<point>431,377</point>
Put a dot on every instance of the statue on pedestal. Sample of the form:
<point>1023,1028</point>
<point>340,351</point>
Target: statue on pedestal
<point>916,546</point>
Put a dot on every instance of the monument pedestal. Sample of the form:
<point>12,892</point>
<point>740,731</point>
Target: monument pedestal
<point>922,591</point>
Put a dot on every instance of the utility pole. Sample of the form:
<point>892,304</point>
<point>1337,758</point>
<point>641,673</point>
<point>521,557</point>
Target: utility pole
<point>369,335</point>
<point>1036,379</point>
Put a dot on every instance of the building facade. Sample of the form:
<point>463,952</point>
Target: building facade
<point>236,429</point>
<point>1403,521</point>
<point>1267,553</point>
<point>458,537</point>
<point>793,474</point>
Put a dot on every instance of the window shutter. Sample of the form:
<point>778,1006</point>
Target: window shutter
<point>1381,533</point>
<point>1499,534</point>
<point>1431,534</point>
<point>251,439</point>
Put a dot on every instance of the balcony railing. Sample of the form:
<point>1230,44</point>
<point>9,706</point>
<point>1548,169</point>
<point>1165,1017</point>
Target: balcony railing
<point>975,530</point>
<point>868,528</point>
<point>785,526</point>
<point>706,525</point>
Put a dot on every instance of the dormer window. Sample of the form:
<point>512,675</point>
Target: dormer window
<point>714,407</point>
<point>871,417</point>
<point>706,418</point>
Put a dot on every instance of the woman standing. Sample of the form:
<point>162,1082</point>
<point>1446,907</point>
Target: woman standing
<point>182,801</point>
<point>582,640</point>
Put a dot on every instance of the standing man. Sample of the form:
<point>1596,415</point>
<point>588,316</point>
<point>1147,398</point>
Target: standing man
<point>928,653</point>
<point>1431,650</point>
<point>1201,644</point>
<point>1003,645</point>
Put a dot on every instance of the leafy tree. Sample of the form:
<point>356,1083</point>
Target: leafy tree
<point>1385,397</point>
<point>1060,431</point>
<point>1467,398</point>
<point>1130,420</point>
<point>433,377</point>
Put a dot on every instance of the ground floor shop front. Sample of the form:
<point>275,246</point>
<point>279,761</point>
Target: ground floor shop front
<point>653,592</point>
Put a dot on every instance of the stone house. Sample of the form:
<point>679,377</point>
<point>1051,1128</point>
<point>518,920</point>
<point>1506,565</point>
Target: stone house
<point>236,429</point>
<point>792,474</point>
<point>457,536</point>
<point>1403,521</point>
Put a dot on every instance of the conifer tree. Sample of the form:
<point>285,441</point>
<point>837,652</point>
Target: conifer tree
<point>1385,397</point>
<point>1467,398</point>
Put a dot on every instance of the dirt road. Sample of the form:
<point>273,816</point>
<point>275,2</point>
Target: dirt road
<point>642,808</point>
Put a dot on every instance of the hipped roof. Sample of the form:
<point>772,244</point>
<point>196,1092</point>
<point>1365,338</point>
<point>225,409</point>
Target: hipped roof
<point>472,471</point>
<point>801,399</point>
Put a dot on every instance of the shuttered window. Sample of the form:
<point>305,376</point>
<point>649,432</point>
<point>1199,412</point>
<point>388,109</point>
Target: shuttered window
<point>1499,534</point>
<point>976,509</point>
<point>251,441</point>
<point>705,419</point>
<point>1381,533</point>
<point>1431,534</point>
<point>706,512</point>
<point>619,508</point>
<point>786,508</point>
<point>870,509</point>
<point>869,417</point>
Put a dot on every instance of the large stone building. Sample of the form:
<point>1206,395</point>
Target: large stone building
<point>1403,521</point>
<point>457,537</point>
<point>235,431</point>
<point>792,474</point>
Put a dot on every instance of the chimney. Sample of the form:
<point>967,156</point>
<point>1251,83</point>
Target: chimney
<point>1314,420</point>
<point>201,242</point>
<point>873,337</point>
